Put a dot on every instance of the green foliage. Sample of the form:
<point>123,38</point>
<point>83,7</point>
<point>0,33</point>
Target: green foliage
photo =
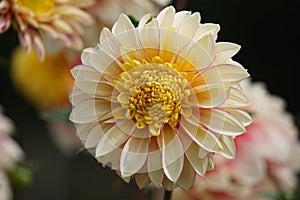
<point>20,176</point>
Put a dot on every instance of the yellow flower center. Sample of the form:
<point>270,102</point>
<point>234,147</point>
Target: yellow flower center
<point>37,6</point>
<point>155,92</point>
<point>154,104</point>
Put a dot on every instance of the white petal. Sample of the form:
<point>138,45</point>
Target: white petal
<point>111,159</point>
<point>187,177</point>
<point>228,146</point>
<point>155,171</point>
<point>96,89</point>
<point>114,137</point>
<point>85,56</point>
<point>242,115</point>
<point>200,54</point>
<point>144,20</point>
<point>190,26</point>
<point>134,155</point>
<point>123,24</point>
<point>180,18</point>
<point>103,62</point>
<point>149,39</point>
<point>236,99</point>
<point>95,135</point>
<point>210,95</point>
<point>168,44</point>
<point>142,180</point>
<point>205,29</point>
<point>83,130</point>
<point>225,50</point>
<point>168,185</point>
<point>172,153</point>
<point>109,42</point>
<point>90,110</point>
<point>85,72</point>
<point>157,177</point>
<point>78,96</point>
<point>221,122</point>
<point>165,17</point>
<point>224,73</point>
<point>202,137</point>
<point>200,165</point>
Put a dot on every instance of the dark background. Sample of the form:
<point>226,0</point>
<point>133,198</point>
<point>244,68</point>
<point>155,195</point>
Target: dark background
<point>267,32</point>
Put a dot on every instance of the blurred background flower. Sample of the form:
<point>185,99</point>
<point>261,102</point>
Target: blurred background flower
<point>107,11</point>
<point>267,160</point>
<point>11,158</point>
<point>59,19</point>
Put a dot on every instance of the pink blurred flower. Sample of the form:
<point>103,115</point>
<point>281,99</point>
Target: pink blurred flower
<point>60,19</point>
<point>267,155</point>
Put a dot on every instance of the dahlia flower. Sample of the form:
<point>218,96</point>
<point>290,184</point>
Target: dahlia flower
<point>267,155</point>
<point>156,101</point>
<point>62,20</point>
<point>107,11</point>
<point>47,84</point>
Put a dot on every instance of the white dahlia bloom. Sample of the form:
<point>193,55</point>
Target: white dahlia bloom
<point>156,101</point>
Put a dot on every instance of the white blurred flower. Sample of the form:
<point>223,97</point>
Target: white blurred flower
<point>108,11</point>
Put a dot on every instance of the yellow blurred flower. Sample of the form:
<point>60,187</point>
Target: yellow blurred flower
<point>60,19</point>
<point>46,84</point>
<point>155,101</point>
